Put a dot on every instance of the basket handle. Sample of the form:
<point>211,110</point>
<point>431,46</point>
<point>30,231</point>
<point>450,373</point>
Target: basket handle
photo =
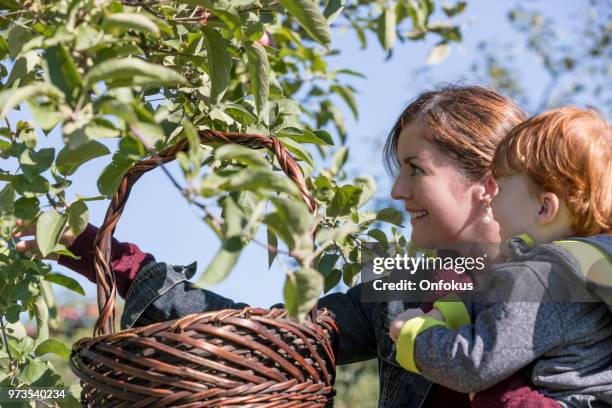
<point>105,278</point>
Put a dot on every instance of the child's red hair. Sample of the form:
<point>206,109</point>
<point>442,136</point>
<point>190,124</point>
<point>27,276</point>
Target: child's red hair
<point>567,151</point>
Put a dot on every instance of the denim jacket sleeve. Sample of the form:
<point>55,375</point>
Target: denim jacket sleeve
<point>163,292</point>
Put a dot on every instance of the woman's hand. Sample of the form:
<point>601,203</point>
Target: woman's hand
<point>402,318</point>
<point>30,247</point>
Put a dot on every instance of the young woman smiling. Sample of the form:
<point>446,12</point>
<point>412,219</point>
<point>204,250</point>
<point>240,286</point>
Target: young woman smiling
<point>442,145</point>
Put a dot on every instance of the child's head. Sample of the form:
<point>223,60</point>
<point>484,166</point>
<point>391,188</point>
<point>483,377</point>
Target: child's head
<point>555,176</point>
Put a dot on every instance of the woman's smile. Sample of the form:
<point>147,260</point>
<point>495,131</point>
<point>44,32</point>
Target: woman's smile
<point>417,215</point>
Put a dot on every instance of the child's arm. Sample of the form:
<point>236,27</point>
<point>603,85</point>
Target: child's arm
<point>472,357</point>
<point>402,318</point>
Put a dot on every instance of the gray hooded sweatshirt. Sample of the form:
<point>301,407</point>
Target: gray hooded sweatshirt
<point>551,319</point>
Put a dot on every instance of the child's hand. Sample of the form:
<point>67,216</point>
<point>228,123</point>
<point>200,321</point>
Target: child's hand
<point>402,318</point>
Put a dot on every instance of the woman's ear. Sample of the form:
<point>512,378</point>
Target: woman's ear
<point>548,208</point>
<point>489,188</point>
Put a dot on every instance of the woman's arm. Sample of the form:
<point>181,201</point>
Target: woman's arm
<point>126,259</point>
<point>157,292</point>
<point>163,292</point>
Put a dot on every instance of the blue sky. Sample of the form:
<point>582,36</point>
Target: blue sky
<point>158,219</point>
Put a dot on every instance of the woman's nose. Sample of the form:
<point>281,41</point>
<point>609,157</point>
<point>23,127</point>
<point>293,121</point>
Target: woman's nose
<point>401,189</point>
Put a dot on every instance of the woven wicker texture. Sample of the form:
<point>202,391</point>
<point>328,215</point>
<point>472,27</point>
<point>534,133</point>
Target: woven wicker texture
<point>230,358</point>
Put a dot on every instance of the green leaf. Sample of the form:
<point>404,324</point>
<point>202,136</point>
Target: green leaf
<point>63,72</point>
<point>11,98</point>
<point>62,250</point>
<point>12,314</point>
<point>318,137</point>
<point>112,175</point>
<point>340,233</point>
<point>452,11</point>
<point>292,221</point>
<point>233,216</point>
<point>32,371</point>
<point>18,35</point>
<point>332,10</point>
<point>23,69</point>
<point>346,93</point>
<point>33,163</point>
<point>30,187</point>
<point>87,37</point>
<point>69,160</point>
<point>241,153</point>
<point>65,281</point>
<point>78,216</point>
<point>52,346</point>
<point>41,315</point>
<point>419,12</point>
<point>378,235</point>
<point>345,199</point>
<point>240,113</point>
<point>301,291</point>
<point>339,159</point>
<point>261,179</point>
<point>386,28</point>
<point>7,197</point>
<point>219,63</point>
<point>368,187</point>
<point>129,69</point>
<point>223,262</point>
<point>350,274</point>
<point>438,53</point>
<point>121,22</point>
<point>45,115</point>
<point>10,4</point>
<point>298,151</point>
<point>93,198</point>
<point>332,279</point>
<point>26,208</point>
<point>259,72</point>
<point>272,243</point>
<point>327,263</point>
<point>390,215</point>
<point>49,227</point>
<point>446,30</point>
<point>307,13</point>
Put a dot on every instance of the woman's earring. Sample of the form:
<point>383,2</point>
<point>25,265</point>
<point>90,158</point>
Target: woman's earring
<point>486,220</point>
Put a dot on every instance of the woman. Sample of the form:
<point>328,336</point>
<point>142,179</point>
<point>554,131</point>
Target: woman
<point>447,139</point>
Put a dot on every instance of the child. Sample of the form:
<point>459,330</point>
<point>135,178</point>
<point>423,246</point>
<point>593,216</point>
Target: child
<point>554,173</point>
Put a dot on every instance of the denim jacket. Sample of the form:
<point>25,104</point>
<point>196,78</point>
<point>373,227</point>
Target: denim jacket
<point>163,292</point>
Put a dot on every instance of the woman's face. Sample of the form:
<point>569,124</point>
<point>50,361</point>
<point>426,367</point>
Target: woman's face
<point>444,206</point>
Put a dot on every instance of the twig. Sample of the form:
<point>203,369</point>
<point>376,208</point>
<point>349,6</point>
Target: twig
<point>216,223</point>
<point>52,202</point>
<point>15,13</point>
<point>195,19</point>
<point>545,98</point>
<point>8,350</point>
<point>273,249</point>
<point>11,135</point>
<point>341,253</point>
<point>150,10</point>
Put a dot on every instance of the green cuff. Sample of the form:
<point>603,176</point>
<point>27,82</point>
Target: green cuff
<point>453,310</point>
<point>405,341</point>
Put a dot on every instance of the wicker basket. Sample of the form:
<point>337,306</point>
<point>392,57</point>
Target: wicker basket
<point>239,358</point>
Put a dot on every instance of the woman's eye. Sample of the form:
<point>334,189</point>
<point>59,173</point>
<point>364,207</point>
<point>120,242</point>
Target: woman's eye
<point>416,170</point>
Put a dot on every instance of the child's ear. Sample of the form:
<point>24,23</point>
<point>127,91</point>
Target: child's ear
<point>549,207</point>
